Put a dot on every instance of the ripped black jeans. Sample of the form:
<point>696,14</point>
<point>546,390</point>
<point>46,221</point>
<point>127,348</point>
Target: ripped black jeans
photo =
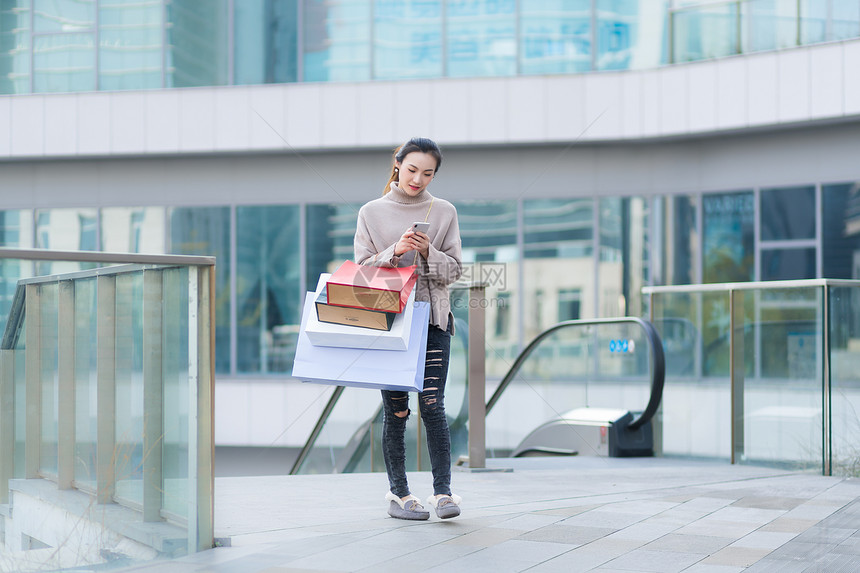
<point>431,403</point>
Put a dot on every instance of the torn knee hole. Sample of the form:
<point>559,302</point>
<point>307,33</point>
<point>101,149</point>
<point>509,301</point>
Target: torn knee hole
<point>402,414</point>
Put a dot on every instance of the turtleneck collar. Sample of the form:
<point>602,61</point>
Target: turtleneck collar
<point>398,195</point>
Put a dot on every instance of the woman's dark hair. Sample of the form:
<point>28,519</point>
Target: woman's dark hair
<point>421,144</point>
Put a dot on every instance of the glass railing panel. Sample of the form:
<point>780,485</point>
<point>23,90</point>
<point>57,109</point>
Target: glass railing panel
<point>845,380</point>
<point>175,358</point>
<point>49,338</point>
<point>129,388</point>
<point>86,389</point>
<point>333,449</point>
<point>783,342</point>
<point>705,32</point>
<point>602,366</point>
<point>694,327</point>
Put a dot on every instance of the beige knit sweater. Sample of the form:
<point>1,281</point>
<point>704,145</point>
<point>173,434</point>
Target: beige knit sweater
<point>383,221</point>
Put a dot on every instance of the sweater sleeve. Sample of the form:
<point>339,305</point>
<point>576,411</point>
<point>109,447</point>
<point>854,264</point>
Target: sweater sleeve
<point>444,264</point>
<point>366,253</point>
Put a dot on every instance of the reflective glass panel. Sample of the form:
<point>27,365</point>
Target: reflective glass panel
<point>681,239</point>
<point>266,41</point>
<point>64,15</point>
<point>840,231</point>
<point>481,38</point>
<point>407,40</point>
<point>555,37</point>
<point>16,230</point>
<point>488,230</point>
<point>787,264</point>
<point>693,328</point>
<point>845,380</point>
<point>86,389</point>
<point>14,46</point>
<point>624,266</point>
<point>769,25</point>
<point>559,262</point>
<point>728,237</point>
<point>175,363</point>
<point>618,32</point>
<point>788,214</point>
<point>65,230</point>
<point>336,40</point>
<point>329,238</point>
<point>129,387</point>
<point>64,63</point>
<point>206,231</point>
<point>130,44</point>
<point>134,230</point>
<point>268,293</point>
<point>782,342</point>
<point>197,46</point>
<point>845,20</point>
<point>705,32</point>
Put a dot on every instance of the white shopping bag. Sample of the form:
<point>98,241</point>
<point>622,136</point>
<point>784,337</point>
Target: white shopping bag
<point>364,368</point>
<point>328,334</point>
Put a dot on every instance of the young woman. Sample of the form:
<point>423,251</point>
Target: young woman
<point>384,238</point>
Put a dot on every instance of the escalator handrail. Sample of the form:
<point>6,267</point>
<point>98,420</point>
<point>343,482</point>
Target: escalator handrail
<point>658,362</point>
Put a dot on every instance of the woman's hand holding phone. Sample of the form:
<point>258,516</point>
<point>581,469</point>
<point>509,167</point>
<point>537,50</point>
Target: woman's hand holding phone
<point>414,239</point>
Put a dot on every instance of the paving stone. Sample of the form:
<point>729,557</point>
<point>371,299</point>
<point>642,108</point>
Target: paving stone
<point>736,556</point>
<point>784,503</point>
<point>485,537</point>
<point>789,525</point>
<point>657,561</point>
<point>569,534</point>
<point>764,540</point>
<point>704,544</point>
<point>706,568</point>
<point>826,535</point>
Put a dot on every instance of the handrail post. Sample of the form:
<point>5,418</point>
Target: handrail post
<point>826,395</point>
<point>33,388</point>
<point>7,421</point>
<point>66,380</point>
<point>477,376</point>
<point>736,372</point>
<point>153,395</point>
<point>106,388</point>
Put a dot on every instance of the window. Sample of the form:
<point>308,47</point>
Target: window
<point>728,237</point>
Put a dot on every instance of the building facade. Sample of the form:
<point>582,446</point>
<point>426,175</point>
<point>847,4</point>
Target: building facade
<point>592,147</point>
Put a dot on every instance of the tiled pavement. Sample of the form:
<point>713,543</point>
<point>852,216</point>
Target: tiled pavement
<point>547,515</point>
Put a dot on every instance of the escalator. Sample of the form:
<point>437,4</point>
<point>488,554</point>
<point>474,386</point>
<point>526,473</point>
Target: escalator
<point>581,387</point>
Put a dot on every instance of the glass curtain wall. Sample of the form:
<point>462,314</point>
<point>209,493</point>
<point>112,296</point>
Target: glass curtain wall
<point>268,296</point>
<point>265,47</point>
<point>489,234</point>
<point>624,259</point>
<point>131,34</point>
<point>407,39</point>
<point>64,41</point>
<point>15,49</point>
<point>206,231</point>
<point>558,257</point>
<point>336,44</point>
<point>197,43</point>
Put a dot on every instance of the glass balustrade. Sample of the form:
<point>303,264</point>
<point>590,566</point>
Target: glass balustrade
<point>106,377</point>
<point>762,373</point>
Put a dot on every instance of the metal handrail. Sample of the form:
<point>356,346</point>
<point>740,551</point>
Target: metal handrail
<point>103,257</point>
<point>658,362</point>
<point>756,285</point>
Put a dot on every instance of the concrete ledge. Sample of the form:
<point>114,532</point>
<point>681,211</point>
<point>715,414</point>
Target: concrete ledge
<point>38,509</point>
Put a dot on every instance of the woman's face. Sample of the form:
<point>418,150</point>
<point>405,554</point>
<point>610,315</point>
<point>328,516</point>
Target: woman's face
<point>416,171</point>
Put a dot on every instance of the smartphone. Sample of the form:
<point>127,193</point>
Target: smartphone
<point>420,226</point>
